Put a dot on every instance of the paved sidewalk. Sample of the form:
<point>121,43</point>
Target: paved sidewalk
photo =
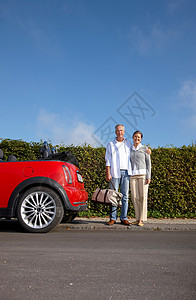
<point>152,224</point>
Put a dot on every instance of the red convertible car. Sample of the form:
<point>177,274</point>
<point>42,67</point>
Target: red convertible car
<point>40,193</point>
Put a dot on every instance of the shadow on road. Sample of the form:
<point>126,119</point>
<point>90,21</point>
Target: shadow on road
<point>91,221</point>
<point>10,226</point>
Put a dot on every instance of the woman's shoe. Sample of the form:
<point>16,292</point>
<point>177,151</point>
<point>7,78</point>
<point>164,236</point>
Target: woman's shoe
<point>141,224</point>
<point>135,223</point>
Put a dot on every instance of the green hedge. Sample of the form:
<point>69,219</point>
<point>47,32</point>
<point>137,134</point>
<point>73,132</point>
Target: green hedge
<point>173,185</point>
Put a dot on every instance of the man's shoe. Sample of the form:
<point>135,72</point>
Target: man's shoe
<point>111,222</point>
<point>125,222</point>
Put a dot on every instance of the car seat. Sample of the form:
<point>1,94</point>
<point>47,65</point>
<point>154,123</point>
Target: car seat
<point>1,155</point>
<point>45,151</point>
<point>11,158</point>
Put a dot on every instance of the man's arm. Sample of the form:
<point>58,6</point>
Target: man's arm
<point>148,151</point>
<point>108,157</point>
<point>108,175</point>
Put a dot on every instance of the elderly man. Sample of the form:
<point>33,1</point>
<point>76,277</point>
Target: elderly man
<point>118,168</point>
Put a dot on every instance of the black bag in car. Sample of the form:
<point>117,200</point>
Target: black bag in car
<point>65,156</point>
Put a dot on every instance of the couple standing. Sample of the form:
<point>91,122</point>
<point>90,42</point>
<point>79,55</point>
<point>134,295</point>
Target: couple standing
<point>125,161</point>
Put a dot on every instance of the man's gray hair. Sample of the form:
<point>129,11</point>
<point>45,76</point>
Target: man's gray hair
<point>119,125</point>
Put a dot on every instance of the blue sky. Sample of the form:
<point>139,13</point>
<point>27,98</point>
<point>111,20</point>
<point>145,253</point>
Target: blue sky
<point>71,69</point>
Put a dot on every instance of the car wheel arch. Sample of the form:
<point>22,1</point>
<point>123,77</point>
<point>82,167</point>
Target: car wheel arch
<point>33,182</point>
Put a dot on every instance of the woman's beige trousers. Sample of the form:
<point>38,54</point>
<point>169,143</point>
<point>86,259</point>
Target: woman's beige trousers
<point>139,191</point>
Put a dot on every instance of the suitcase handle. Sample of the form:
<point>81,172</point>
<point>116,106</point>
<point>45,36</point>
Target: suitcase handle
<point>112,184</point>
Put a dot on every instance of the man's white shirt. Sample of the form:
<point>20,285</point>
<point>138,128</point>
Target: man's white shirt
<point>118,157</point>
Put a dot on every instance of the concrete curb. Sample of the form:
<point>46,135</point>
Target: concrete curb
<point>151,225</point>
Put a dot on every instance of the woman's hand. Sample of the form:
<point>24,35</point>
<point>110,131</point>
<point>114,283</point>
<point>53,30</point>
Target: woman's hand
<point>148,181</point>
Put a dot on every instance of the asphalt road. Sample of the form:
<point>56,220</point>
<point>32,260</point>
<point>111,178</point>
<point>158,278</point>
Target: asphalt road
<point>98,264</point>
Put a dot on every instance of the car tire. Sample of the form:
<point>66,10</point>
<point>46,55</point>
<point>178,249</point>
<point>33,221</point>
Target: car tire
<point>69,217</point>
<point>39,210</point>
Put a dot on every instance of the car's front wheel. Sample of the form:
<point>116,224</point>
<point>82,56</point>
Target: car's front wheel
<point>39,209</point>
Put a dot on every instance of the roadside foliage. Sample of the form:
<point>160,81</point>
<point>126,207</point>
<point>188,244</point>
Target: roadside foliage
<point>171,191</point>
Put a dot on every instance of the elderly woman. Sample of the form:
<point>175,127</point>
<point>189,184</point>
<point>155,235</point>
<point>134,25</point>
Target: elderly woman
<point>140,179</point>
